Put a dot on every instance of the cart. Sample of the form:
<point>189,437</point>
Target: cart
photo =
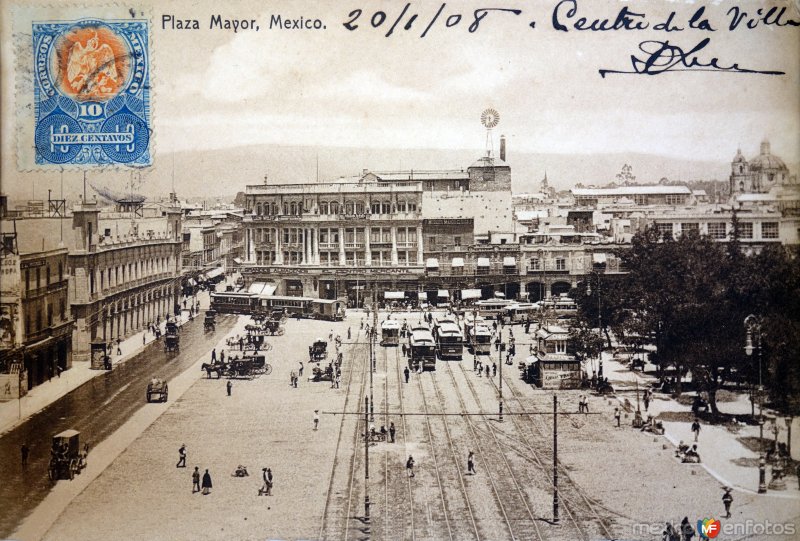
<point>318,351</point>
<point>171,338</point>
<point>66,458</point>
<point>209,321</point>
<point>158,387</point>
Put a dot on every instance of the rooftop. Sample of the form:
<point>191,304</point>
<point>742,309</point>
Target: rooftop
<point>631,190</point>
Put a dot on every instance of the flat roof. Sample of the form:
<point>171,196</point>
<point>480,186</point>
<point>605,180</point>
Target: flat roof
<point>631,190</point>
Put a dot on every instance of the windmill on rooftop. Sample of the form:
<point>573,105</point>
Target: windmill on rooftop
<point>490,118</point>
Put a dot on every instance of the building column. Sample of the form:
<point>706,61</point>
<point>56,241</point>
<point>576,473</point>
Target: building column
<point>342,257</point>
<point>315,238</point>
<point>367,247</point>
<point>394,245</point>
<point>419,246</point>
<point>278,246</point>
<point>304,260</point>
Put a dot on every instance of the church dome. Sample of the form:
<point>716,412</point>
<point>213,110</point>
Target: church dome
<point>766,161</point>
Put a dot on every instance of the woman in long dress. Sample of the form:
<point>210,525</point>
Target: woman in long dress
<point>206,483</point>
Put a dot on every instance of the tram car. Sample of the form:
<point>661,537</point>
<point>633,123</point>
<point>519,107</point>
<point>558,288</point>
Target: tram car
<point>477,334</point>
<point>255,304</point>
<point>449,340</point>
<point>491,308</point>
<point>390,333</point>
<point>423,349</point>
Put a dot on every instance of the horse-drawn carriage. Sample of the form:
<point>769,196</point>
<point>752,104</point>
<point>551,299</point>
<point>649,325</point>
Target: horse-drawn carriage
<point>66,457</point>
<point>320,374</point>
<point>318,351</point>
<point>274,326</point>
<point>247,366</point>
<point>172,341</point>
<point>209,322</point>
<point>157,386</point>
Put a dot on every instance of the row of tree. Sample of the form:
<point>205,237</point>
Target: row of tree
<point>689,297</point>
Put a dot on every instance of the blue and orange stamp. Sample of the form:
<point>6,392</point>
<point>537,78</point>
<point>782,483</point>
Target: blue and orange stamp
<point>91,93</point>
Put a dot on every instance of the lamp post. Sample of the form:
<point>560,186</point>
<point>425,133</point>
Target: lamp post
<point>753,325</point>
<point>599,320</point>
<point>542,286</point>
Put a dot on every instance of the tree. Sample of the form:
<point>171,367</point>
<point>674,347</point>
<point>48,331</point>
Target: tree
<point>583,342</point>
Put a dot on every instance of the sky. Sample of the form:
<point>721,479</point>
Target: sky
<point>214,89</point>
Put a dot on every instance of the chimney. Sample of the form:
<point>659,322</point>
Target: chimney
<point>503,147</point>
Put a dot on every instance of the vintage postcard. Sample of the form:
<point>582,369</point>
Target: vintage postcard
<point>400,269</point>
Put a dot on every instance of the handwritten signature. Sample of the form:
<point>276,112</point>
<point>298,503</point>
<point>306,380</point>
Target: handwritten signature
<point>662,57</point>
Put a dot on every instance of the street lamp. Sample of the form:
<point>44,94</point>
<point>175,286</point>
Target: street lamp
<point>753,325</point>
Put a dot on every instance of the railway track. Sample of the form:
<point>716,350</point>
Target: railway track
<point>342,529</point>
<point>521,522</point>
<point>579,509</point>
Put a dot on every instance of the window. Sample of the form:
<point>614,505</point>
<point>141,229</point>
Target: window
<point>431,242</point>
<point>286,236</point>
<point>535,264</point>
<point>676,199</point>
<point>386,208</point>
<point>769,230</point>
<point>61,271</point>
<point>334,207</point>
<point>49,313</point>
<point>561,264</point>
<point>286,208</point>
<point>691,227</point>
<point>258,209</point>
<point>293,208</point>
<point>360,207</point>
<point>456,241</point>
<point>62,309</point>
<point>38,278</point>
<point>746,230</point>
<point>401,206</point>
<point>376,207</point>
<point>640,199</point>
<point>561,346</point>
<point>27,279</point>
<point>412,207</point>
<point>275,209</point>
<point>323,208</point>
<point>716,230</point>
<point>664,230</point>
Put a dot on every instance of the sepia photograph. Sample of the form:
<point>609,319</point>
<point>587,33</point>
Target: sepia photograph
<point>400,270</point>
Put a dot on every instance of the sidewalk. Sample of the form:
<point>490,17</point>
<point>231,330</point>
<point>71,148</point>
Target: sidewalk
<point>723,454</point>
<point>14,412</point>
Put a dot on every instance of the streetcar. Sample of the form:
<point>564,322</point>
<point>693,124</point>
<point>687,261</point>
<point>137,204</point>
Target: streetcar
<point>423,349</point>
<point>255,304</point>
<point>491,308</point>
<point>477,334</point>
<point>561,305</point>
<point>519,312</point>
<point>390,333</point>
<point>449,340</point>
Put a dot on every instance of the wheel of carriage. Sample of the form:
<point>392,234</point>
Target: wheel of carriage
<point>268,369</point>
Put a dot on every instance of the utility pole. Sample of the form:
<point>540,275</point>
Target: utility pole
<point>367,405</point>
<point>555,459</point>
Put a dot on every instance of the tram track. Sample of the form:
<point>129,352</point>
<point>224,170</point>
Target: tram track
<point>524,527</point>
<point>325,526</point>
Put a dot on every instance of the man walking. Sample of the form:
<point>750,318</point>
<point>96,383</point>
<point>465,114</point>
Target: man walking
<point>181,457</point>
<point>316,419</point>
<point>406,373</point>
<point>300,370</point>
<point>617,416</point>
<point>269,482</point>
<point>196,480</point>
<point>25,452</point>
<point>229,386</point>
<point>214,355</point>
<point>727,500</point>
<point>471,463</point>
<point>494,369</point>
<point>696,429</point>
<point>410,466</point>
<point>391,431</point>
<point>646,398</point>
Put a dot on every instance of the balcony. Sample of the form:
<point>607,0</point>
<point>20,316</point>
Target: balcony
<point>353,245</point>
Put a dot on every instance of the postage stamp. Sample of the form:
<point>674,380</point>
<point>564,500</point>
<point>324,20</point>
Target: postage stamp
<point>91,92</point>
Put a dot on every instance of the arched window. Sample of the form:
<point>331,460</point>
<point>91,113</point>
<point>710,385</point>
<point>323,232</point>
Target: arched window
<point>376,207</point>
<point>401,206</point>
<point>293,209</point>
<point>274,209</point>
<point>334,207</point>
<point>286,208</point>
<point>323,208</point>
<point>386,208</point>
<point>258,208</point>
<point>360,207</point>
<point>349,207</point>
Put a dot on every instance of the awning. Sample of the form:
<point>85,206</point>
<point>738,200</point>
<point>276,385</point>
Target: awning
<point>213,273</point>
<point>484,262</point>
<point>443,293</point>
<point>256,287</point>
<point>237,260</point>
<point>394,295</point>
<point>499,295</point>
<point>467,294</point>
<point>457,262</point>
<point>269,290</point>
<point>40,344</point>
<point>192,282</point>
<point>599,258</point>
<point>432,263</point>
<point>509,262</point>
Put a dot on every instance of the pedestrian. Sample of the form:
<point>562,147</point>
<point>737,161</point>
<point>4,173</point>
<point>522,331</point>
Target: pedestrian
<point>316,419</point>
<point>229,386</point>
<point>206,483</point>
<point>487,370</point>
<point>646,399</point>
<point>330,336</point>
<point>214,355</point>
<point>406,373</point>
<point>494,369</point>
<point>292,378</point>
<point>222,356</point>
<point>338,379</point>
<point>349,334</point>
<point>196,480</point>
<point>471,463</point>
<point>361,326</point>
<point>391,431</point>
<point>403,348</point>
<point>727,500</point>
<point>617,416</point>
<point>585,404</point>
<point>696,429</point>
<point>25,452</point>
<point>181,457</point>
<point>687,531</point>
<point>410,466</point>
<point>144,337</point>
<point>119,349</point>
<point>265,488</point>
<point>269,482</point>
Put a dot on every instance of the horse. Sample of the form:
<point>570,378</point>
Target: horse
<point>216,367</point>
